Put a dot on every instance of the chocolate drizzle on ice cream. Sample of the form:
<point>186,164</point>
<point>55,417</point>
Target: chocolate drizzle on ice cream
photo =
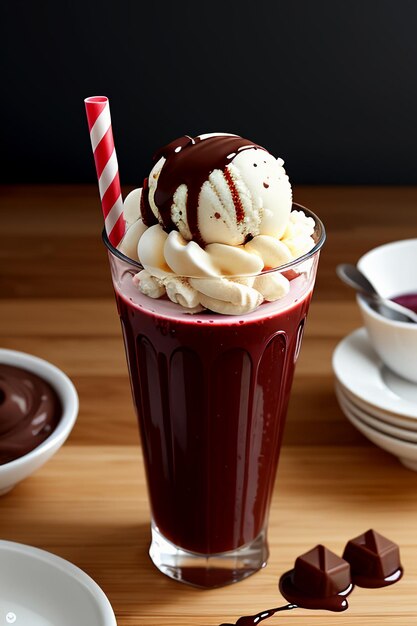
<point>190,162</point>
<point>148,217</point>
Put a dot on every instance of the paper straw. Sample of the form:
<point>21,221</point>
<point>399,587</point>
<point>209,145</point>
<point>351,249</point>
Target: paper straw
<point>102,143</point>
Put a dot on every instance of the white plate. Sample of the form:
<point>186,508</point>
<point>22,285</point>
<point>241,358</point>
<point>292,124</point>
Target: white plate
<point>406,423</point>
<point>405,451</point>
<point>362,372</point>
<point>40,589</point>
<point>399,433</point>
<point>409,423</point>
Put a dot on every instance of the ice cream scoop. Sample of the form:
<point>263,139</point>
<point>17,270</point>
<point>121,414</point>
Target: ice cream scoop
<point>217,188</point>
<point>215,206</point>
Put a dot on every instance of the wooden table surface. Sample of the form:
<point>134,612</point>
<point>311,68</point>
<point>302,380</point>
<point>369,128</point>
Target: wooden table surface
<point>88,504</point>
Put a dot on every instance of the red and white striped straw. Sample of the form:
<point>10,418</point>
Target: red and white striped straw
<point>101,135</point>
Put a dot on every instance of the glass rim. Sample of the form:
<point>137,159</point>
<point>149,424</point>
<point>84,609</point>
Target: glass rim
<point>319,230</point>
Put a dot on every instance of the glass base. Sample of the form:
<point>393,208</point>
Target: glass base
<point>208,571</point>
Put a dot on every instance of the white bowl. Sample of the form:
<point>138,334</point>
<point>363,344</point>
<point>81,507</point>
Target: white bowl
<point>405,451</point>
<point>391,268</point>
<point>40,589</point>
<point>13,472</point>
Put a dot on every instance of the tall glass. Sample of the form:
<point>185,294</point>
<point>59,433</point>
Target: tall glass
<point>211,394</point>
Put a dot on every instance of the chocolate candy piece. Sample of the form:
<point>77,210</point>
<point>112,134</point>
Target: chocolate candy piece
<point>320,580</point>
<point>374,560</point>
<point>321,573</point>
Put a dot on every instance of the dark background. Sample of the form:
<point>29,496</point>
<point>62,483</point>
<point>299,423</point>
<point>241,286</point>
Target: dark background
<point>329,85</point>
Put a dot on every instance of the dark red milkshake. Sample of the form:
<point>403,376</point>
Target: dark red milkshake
<point>213,280</point>
<point>211,396</point>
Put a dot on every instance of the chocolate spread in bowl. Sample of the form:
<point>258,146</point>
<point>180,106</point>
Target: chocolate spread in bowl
<point>29,411</point>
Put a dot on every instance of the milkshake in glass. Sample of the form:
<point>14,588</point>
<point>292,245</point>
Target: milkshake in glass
<point>213,281</point>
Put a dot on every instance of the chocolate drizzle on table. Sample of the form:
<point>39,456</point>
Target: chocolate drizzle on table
<point>190,161</point>
<point>335,603</point>
<point>252,620</point>
<point>29,411</point>
<point>321,579</point>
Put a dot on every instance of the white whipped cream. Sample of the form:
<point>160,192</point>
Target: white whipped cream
<point>224,278</point>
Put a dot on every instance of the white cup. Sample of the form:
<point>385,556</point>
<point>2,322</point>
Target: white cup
<point>392,269</point>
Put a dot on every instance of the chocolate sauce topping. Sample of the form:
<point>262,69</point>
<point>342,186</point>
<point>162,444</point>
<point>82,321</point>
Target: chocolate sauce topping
<point>29,411</point>
<point>190,161</point>
<point>148,217</point>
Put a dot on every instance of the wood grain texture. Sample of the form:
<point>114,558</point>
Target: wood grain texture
<point>89,505</point>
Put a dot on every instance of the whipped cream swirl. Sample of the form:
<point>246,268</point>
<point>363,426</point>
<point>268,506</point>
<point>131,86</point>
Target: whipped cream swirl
<point>223,278</point>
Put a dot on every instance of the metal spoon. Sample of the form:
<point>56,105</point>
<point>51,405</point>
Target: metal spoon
<point>353,277</point>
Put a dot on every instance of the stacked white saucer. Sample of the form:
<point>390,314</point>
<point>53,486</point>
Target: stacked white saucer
<point>378,402</point>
